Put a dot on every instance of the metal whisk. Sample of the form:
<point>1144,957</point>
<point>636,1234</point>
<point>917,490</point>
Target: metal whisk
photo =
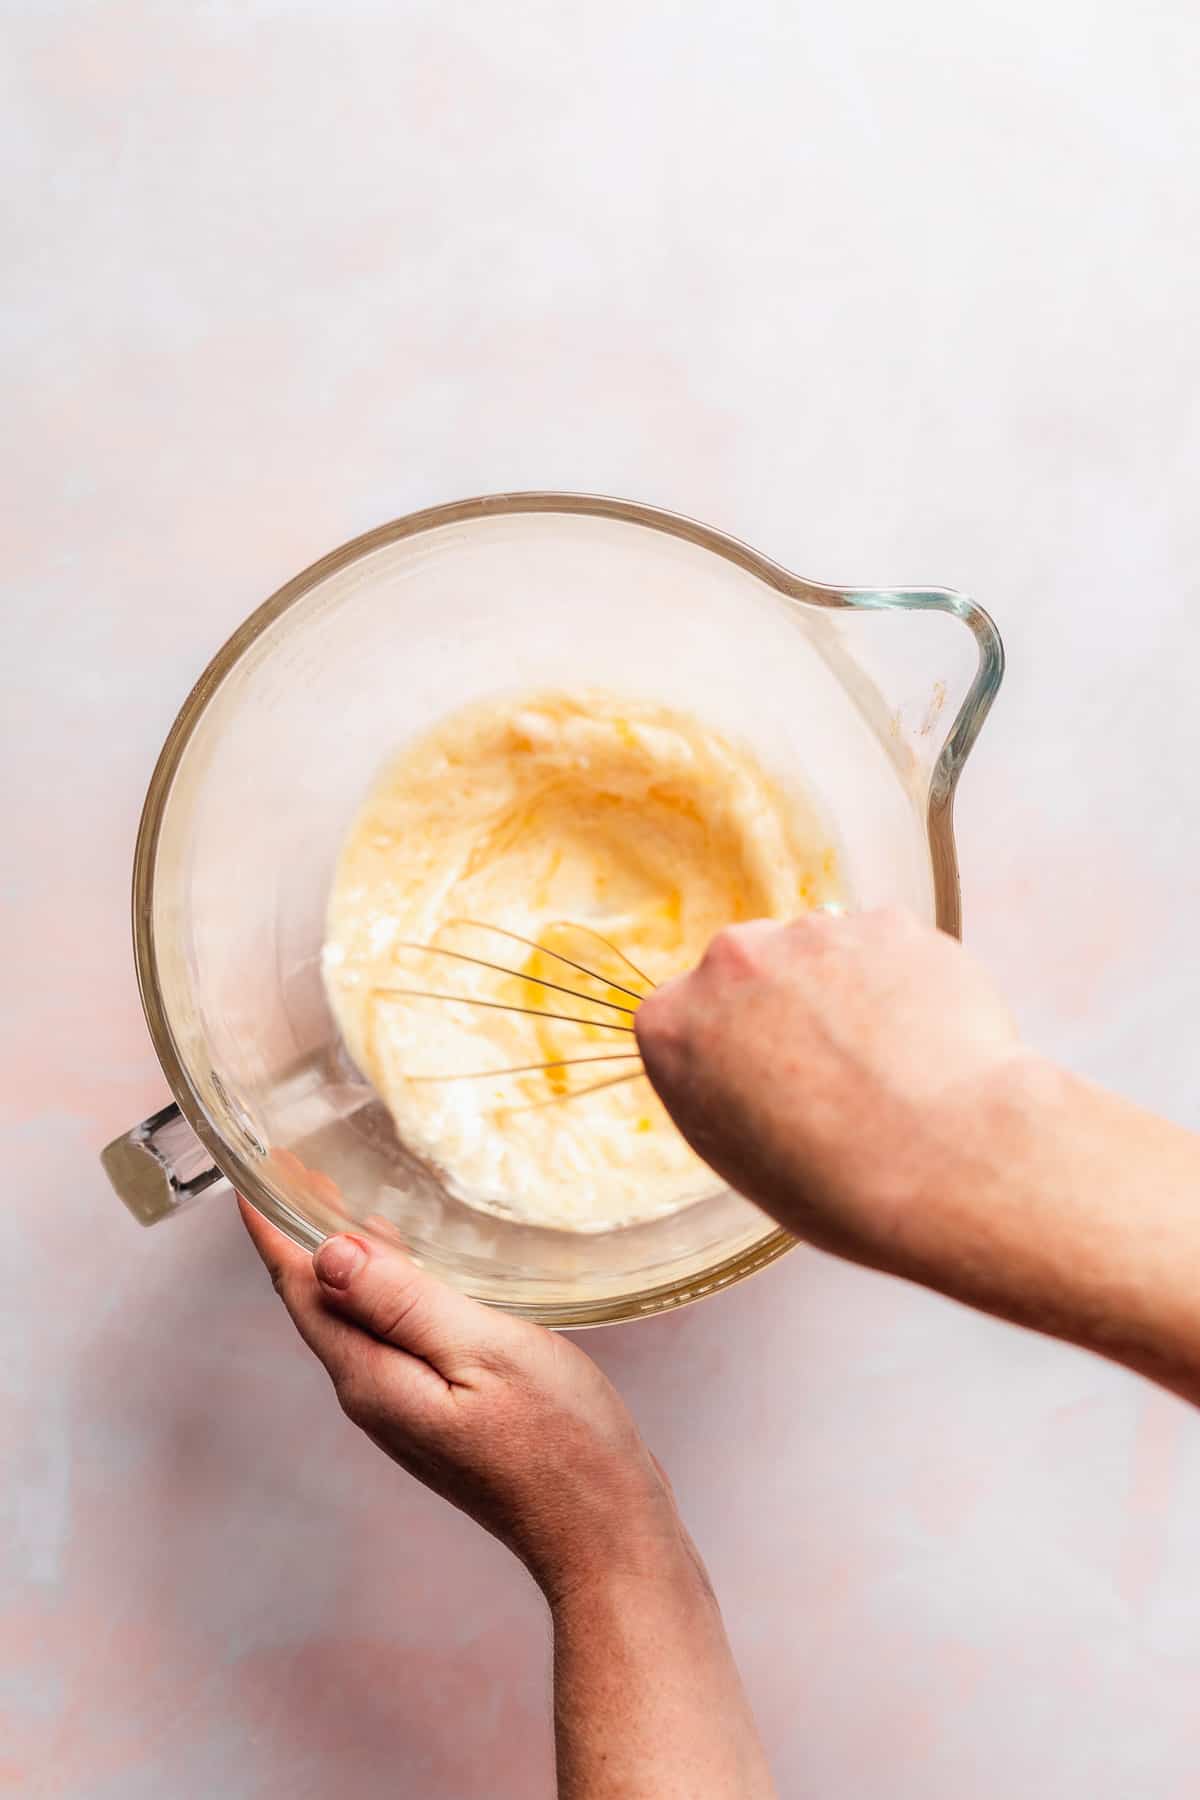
<point>621,1006</point>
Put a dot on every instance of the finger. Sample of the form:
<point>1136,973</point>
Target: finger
<point>282,1258</point>
<point>663,1025</point>
<point>292,1277</point>
<point>372,1381</point>
<point>322,1188</point>
<point>383,1227</point>
<point>376,1285</point>
<point>378,1384</point>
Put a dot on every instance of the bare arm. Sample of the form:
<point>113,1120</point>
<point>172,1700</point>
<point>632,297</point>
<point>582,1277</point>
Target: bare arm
<point>520,1429</point>
<point>647,1700</point>
<point>861,1081</point>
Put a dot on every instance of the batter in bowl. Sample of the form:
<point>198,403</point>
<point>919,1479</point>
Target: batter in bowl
<point>606,833</point>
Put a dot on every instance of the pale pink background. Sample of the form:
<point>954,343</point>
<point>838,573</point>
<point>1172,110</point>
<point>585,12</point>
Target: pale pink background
<point>898,294</point>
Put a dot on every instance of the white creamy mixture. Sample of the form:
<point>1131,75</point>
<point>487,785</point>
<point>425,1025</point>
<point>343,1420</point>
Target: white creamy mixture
<point>555,817</point>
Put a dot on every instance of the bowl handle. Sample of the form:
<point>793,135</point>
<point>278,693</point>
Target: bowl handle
<point>160,1166</point>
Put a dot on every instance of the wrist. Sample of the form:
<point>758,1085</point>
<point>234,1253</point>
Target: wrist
<point>928,1195</point>
<point>675,1583</point>
<point>979,1214</point>
<point>640,1549</point>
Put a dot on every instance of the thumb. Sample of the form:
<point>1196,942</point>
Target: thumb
<point>377,1286</point>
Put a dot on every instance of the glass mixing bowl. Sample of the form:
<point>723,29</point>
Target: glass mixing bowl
<point>871,698</point>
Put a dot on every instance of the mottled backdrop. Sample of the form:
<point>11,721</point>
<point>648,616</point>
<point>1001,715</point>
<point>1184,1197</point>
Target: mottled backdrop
<point>897,293</point>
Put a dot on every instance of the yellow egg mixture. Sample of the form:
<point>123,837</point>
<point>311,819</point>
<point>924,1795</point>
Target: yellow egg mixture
<point>605,836</point>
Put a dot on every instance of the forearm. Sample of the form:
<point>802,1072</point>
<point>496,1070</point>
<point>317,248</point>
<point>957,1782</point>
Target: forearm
<point>647,1699</point>
<point>520,1429</point>
<point>1075,1212</point>
<point>861,1080</point>
<point>1036,1196</point>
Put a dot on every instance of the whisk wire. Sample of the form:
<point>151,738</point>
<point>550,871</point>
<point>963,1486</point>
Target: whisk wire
<point>534,1012</point>
<point>566,924</point>
<point>590,931</point>
<point>520,975</point>
<point>593,1087</point>
<point>561,1062</point>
